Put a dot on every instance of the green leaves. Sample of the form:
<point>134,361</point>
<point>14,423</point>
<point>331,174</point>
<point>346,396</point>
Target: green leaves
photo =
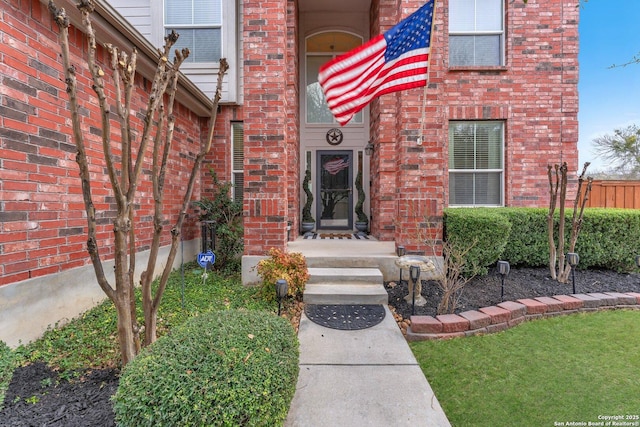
<point>608,238</point>
<point>488,229</point>
<point>231,367</point>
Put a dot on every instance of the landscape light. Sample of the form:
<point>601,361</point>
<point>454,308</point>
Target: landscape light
<point>282,288</point>
<point>573,259</point>
<point>503,269</point>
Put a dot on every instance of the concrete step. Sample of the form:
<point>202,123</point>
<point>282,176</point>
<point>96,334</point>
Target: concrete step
<point>344,275</point>
<point>336,293</point>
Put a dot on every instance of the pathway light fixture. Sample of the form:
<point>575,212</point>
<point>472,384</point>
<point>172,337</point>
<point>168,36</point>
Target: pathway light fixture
<point>503,269</point>
<point>282,288</point>
<point>573,259</point>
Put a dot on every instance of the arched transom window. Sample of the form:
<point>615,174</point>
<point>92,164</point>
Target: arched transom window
<point>320,48</point>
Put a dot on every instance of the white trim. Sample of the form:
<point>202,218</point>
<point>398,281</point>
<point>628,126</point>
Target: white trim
<point>500,171</point>
<point>501,34</point>
<point>229,49</point>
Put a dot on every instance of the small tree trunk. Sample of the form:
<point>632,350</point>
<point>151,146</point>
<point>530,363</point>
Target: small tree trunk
<point>561,225</point>
<point>553,196</point>
<point>576,220</point>
<point>126,336</point>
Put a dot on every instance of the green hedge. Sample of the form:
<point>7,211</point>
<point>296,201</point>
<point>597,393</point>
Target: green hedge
<point>225,368</point>
<point>486,227</point>
<point>528,243</point>
<point>609,239</point>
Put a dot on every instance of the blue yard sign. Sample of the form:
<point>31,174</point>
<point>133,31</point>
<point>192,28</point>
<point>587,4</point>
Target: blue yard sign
<point>206,259</point>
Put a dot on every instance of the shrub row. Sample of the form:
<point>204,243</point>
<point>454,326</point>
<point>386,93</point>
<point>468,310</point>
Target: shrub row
<point>484,231</point>
<point>610,238</point>
<point>226,368</point>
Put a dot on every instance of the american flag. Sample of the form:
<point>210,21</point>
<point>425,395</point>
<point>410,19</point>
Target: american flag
<point>393,61</point>
<point>335,166</point>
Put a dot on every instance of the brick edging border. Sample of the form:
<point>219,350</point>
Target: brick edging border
<point>508,314</point>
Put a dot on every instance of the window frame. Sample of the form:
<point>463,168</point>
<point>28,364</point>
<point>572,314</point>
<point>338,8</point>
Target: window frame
<point>358,119</point>
<point>194,26</point>
<point>229,47</point>
<point>500,33</point>
<point>475,170</point>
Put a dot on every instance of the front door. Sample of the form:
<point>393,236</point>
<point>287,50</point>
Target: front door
<point>334,193</point>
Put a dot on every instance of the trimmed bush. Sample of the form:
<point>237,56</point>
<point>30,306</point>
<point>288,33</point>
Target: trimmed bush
<point>609,239</point>
<point>528,244</point>
<point>224,368</point>
<point>290,266</point>
<point>486,227</point>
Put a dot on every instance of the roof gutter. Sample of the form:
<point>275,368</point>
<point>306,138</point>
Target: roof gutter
<point>111,27</point>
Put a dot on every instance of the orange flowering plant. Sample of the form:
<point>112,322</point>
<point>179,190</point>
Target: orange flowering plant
<point>290,266</point>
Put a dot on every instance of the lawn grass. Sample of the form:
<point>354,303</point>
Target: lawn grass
<point>558,370</point>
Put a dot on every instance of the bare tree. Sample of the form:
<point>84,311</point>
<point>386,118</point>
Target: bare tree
<point>621,150</point>
<point>558,267</point>
<point>124,175</point>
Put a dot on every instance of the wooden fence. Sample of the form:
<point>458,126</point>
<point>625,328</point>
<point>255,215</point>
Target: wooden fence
<point>614,194</point>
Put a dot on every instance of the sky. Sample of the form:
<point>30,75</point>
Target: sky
<point>609,98</point>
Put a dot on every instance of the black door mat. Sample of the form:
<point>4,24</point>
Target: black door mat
<point>336,236</point>
<point>345,317</point>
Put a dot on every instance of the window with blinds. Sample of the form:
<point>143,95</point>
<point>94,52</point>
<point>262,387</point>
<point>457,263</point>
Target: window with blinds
<point>476,32</point>
<point>237,161</point>
<point>199,23</point>
<point>476,163</point>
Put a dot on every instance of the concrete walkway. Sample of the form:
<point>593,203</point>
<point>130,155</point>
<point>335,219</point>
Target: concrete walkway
<point>367,377</point>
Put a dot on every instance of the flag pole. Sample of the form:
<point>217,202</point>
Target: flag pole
<point>426,86</point>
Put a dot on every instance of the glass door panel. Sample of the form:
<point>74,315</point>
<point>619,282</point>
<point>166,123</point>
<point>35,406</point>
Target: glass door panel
<point>335,195</point>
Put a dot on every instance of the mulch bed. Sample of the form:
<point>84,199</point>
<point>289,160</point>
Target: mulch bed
<point>520,283</point>
<point>37,396</point>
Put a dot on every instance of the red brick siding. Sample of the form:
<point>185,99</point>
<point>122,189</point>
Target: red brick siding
<point>294,157</point>
<point>535,94</point>
<point>43,223</point>
<point>266,133</point>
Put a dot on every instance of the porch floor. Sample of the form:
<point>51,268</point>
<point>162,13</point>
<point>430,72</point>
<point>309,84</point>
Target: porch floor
<point>349,253</point>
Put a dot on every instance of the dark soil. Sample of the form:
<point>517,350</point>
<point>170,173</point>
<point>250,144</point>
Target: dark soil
<point>38,396</point>
<point>520,283</point>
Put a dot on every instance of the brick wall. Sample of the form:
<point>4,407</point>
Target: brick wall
<point>535,94</point>
<point>268,144</point>
<point>43,223</point>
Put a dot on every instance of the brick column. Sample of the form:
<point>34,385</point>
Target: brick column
<point>421,161</point>
<point>293,119</point>
<point>384,136</point>
<point>265,125</point>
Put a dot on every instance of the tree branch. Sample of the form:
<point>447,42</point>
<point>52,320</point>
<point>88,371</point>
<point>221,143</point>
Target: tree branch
<point>62,20</point>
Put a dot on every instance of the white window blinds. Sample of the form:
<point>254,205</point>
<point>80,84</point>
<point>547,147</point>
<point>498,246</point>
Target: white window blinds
<point>476,163</point>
